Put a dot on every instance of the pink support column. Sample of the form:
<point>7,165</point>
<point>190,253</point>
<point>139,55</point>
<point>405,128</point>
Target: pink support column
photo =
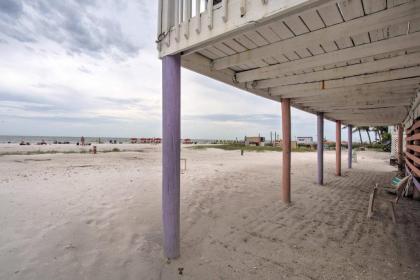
<point>338,148</point>
<point>286,129</point>
<point>171,143</point>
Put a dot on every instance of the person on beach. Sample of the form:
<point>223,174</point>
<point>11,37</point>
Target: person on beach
<point>82,141</point>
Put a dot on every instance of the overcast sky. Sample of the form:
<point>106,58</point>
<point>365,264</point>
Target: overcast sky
<point>90,67</point>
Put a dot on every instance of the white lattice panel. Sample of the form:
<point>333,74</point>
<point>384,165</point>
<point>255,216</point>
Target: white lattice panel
<point>394,141</point>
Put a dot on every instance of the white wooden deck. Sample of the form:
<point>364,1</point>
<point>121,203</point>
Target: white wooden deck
<point>357,61</point>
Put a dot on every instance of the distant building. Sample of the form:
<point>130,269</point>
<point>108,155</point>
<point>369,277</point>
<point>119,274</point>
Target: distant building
<point>187,141</point>
<point>254,140</point>
<point>279,143</point>
<point>304,140</point>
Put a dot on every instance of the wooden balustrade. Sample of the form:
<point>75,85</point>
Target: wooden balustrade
<point>182,17</point>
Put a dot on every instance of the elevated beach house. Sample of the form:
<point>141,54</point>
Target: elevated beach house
<point>354,62</point>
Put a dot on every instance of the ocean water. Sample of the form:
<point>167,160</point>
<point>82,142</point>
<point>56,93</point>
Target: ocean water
<point>4,139</point>
<point>62,139</point>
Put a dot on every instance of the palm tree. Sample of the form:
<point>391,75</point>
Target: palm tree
<point>367,129</point>
<point>355,129</point>
<point>382,132</point>
<point>360,134</point>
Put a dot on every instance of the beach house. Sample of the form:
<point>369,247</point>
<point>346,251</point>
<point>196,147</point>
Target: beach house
<point>354,62</point>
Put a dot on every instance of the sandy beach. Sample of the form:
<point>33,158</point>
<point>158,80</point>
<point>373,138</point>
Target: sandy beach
<point>85,216</point>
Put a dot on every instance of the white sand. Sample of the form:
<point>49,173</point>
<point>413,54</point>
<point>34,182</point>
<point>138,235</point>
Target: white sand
<point>84,216</point>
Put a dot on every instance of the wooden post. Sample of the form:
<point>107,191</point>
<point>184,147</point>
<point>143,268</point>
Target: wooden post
<point>320,148</point>
<point>338,148</point>
<point>372,201</point>
<point>350,141</point>
<point>286,128</point>
<point>171,99</point>
<point>400,145</point>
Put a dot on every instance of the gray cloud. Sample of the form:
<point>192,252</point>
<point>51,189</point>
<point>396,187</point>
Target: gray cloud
<point>84,70</point>
<point>52,99</point>
<point>19,97</point>
<point>65,101</point>
<point>70,119</point>
<point>11,8</point>
<point>121,101</point>
<point>73,24</point>
<point>249,118</point>
<point>139,103</point>
<point>8,29</point>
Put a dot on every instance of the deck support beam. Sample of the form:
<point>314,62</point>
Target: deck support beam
<point>286,130</point>
<point>400,146</point>
<point>350,145</point>
<point>338,148</point>
<point>171,118</point>
<point>320,148</point>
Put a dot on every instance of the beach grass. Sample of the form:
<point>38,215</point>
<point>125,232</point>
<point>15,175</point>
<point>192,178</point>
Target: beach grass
<point>234,147</point>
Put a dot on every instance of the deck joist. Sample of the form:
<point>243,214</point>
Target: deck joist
<point>357,61</point>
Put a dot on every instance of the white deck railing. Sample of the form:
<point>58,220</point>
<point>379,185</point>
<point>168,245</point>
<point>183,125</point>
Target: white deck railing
<point>176,13</point>
<point>185,25</point>
<point>178,20</point>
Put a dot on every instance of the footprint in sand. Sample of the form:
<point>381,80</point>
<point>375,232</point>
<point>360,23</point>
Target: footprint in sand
<point>135,238</point>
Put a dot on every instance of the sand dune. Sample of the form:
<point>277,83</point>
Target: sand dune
<point>84,216</point>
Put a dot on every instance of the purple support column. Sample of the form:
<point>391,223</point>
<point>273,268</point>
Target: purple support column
<point>338,148</point>
<point>171,118</point>
<point>320,148</point>
<point>350,141</point>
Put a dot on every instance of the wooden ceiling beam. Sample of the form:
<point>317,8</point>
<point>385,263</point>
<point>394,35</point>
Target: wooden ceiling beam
<point>355,97</point>
<point>394,44</point>
<point>405,100</point>
<point>371,113</point>
<point>411,72</point>
<point>394,16</point>
<point>385,86</point>
<point>201,64</point>
<point>346,71</point>
<point>338,107</point>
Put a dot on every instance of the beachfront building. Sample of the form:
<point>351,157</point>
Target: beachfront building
<point>254,140</point>
<point>354,62</point>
